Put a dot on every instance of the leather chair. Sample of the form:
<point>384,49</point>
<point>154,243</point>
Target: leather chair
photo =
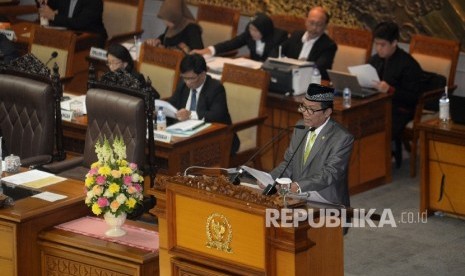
<point>162,67</point>
<point>353,46</point>
<point>246,91</point>
<point>30,112</point>
<point>218,23</point>
<point>435,55</point>
<point>122,30</point>
<point>289,23</point>
<point>118,105</point>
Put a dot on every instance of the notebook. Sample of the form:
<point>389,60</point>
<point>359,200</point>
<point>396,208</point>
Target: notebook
<point>342,80</point>
<point>457,109</point>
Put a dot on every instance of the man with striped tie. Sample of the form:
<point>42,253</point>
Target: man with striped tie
<point>317,159</point>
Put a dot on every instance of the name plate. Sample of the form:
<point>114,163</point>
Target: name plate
<point>98,53</point>
<point>162,136</point>
<point>66,115</point>
<point>10,34</point>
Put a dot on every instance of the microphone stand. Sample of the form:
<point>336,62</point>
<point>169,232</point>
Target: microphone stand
<point>53,56</point>
<point>271,188</point>
<point>235,178</point>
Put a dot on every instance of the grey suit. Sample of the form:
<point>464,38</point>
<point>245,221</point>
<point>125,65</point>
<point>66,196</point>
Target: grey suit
<point>326,168</point>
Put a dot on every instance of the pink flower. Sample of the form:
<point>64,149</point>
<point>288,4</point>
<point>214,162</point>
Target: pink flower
<point>93,171</point>
<point>138,187</point>
<point>102,202</point>
<point>127,179</point>
<point>101,180</point>
<point>131,189</point>
<point>133,166</point>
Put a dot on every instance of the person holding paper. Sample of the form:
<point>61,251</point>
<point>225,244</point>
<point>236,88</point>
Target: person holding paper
<point>200,97</point>
<point>400,75</point>
<point>76,15</point>
<point>260,37</point>
<point>313,44</point>
<point>182,32</point>
<point>320,164</point>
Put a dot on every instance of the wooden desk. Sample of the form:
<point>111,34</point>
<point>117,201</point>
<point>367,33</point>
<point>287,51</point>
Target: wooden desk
<point>65,252</point>
<point>21,224</point>
<point>442,153</point>
<point>369,120</point>
<point>208,148</point>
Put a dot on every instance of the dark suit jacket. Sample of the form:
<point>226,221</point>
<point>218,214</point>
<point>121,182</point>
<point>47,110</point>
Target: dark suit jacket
<point>322,53</point>
<point>191,35</point>
<point>211,106</point>
<point>271,42</point>
<point>87,16</point>
<point>326,168</point>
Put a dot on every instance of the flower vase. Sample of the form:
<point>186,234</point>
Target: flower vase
<point>115,223</point>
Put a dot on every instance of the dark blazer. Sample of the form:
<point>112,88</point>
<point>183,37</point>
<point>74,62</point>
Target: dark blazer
<point>191,35</point>
<point>271,43</point>
<point>87,16</point>
<point>326,168</point>
<point>212,105</point>
<point>322,53</point>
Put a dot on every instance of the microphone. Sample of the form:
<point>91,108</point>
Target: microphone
<point>271,188</point>
<point>54,55</point>
<point>235,178</point>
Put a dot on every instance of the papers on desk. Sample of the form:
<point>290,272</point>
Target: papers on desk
<point>169,109</point>
<point>185,125</point>
<point>366,75</point>
<point>66,105</point>
<point>216,64</point>
<point>264,177</point>
<point>33,179</point>
<point>48,196</point>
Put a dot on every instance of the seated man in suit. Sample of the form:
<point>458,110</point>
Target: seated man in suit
<point>400,75</point>
<point>198,96</point>
<point>322,150</point>
<point>260,37</point>
<point>76,15</point>
<point>312,44</point>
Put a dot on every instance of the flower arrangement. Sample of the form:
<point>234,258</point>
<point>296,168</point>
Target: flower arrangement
<point>113,184</point>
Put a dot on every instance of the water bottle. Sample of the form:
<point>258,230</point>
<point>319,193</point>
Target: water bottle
<point>316,76</point>
<point>444,107</point>
<point>346,97</point>
<point>161,119</point>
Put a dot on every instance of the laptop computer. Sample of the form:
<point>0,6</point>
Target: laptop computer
<point>457,109</point>
<point>342,80</point>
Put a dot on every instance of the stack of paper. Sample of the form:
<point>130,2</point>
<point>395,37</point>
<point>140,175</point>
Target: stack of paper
<point>185,125</point>
<point>33,179</point>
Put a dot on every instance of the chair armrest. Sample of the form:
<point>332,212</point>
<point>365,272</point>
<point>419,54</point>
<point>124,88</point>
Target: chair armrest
<point>35,161</point>
<point>249,123</point>
<point>58,167</point>
<point>124,37</point>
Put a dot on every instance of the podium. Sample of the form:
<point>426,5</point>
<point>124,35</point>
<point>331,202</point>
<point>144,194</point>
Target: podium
<point>207,226</point>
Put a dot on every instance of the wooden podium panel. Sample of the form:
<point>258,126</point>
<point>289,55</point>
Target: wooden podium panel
<point>442,155</point>
<point>207,226</point>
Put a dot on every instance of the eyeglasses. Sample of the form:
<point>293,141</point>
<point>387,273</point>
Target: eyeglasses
<point>114,63</point>
<point>302,108</point>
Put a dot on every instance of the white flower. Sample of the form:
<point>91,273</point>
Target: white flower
<point>107,193</point>
<point>121,198</point>
<point>135,177</point>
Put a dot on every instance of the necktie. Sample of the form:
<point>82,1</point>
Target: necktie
<point>309,145</point>
<point>193,100</point>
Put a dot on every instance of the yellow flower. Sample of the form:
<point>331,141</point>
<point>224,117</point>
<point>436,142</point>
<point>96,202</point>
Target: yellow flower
<point>131,202</point>
<point>105,170</point>
<point>95,165</point>
<point>89,181</point>
<point>113,188</point>
<point>123,162</point>
<point>95,209</point>
<point>125,170</point>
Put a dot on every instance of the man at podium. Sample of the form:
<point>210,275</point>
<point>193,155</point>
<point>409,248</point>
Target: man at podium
<point>317,159</point>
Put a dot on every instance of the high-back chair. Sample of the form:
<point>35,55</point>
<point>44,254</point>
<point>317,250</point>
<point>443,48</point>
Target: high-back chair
<point>30,112</point>
<point>246,91</point>
<point>122,19</point>
<point>162,67</point>
<point>289,23</point>
<point>435,55</point>
<point>45,41</point>
<point>118,105</point>
<point>353,46</point>
<point>218,23</point>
